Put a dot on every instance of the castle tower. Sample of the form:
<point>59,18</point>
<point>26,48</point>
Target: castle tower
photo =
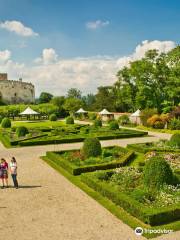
<point>3,77</point>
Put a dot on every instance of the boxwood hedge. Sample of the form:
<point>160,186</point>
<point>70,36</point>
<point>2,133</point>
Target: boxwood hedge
<point>152,216</point>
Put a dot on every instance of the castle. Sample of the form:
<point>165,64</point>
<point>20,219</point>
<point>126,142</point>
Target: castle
<point>12,91</point>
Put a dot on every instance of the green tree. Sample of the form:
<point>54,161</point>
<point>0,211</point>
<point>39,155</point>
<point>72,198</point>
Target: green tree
<point>73,104</point>
<point>74,93</point>
<point>45,97</point>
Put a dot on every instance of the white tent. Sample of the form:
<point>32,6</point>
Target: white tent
<point>135,117</point>
<point>29,111</point>
<point>81,110</point>
<point>105,112</point>
<point>136,114</point>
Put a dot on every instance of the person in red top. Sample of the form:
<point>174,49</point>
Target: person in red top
<point>4,172</point>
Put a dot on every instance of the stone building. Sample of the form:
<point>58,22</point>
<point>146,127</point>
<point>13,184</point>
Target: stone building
<point>12,91</point>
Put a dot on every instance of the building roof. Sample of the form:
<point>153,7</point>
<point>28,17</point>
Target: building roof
<point>105,112</point>
<point>136,114</point>
<point>81,110</point>
<point>29,111</point>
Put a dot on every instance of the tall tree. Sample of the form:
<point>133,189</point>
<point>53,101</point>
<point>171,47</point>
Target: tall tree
<point>74,93</point>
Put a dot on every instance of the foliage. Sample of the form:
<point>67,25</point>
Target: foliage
<point>146,114</point>
<point>73,104</point>
<point>174,124</point>
<point>124,119</point>
<point>157,172</point>
<point>21,131</point>
<point>97,123</point>
<point>53,117</point>
<point>6,123</point>
<point>91,147</point>
<point>45,97</point>
<point>158,121</point>
<point>113,125</point>
<point>175,140</point>
<point>74,93</point>
<point>69,120</point>
<point>92,115</point>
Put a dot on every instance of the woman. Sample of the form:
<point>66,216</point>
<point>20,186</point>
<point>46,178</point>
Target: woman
<point>4,172</point>
<point>13,170</point>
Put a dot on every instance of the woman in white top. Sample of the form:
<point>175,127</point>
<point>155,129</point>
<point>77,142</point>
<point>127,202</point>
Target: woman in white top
<point>13,170</point>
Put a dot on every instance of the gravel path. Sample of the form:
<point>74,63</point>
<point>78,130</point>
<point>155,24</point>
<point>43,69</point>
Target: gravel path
<point>48,206</point>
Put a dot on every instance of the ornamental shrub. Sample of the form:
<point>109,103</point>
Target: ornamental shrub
<point>175,140</point>
<point>91,147</point>
<point>174,124</point>
<point>92,116</point>
<point>21,131</point>
<point>157,172</point>
<point>124,119</point>
<point>97,123</point>
<point>159,125</point>
<point>6,123</point>
<point>53,117</point>
<point>69,120</point>
<point>114,125</point>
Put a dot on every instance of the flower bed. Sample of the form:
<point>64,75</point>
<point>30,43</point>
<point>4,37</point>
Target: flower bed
<point>124,187</point>
<point>75,163</point>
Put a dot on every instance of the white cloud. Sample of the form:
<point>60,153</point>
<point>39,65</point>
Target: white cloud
<point>18,28</point>
<point>49,56</point>
<point>97,24</point>
<point>57,76</point>
<point>5,56</point>
<point>141,49</point>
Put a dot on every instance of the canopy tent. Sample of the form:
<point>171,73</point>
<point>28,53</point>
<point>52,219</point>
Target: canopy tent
<point>135,117</point>
<point>81,110</point>
<point>136,114</point>
<point>29,111</point>
<point>105,112</point>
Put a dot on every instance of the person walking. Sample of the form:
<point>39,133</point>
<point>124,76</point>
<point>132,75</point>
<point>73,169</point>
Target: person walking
<point>13,170</point>
<point>4,172</point>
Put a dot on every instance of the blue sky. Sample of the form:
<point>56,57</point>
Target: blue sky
<point>61,24</point>
<point>86,28</point>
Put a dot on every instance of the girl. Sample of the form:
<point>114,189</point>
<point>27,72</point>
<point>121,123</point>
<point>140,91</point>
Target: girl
<point>13,170</point>
<point>4,172</point>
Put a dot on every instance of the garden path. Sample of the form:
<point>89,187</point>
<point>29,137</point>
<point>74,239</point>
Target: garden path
<point>48,206</point>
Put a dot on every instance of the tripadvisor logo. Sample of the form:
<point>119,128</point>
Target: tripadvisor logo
<point>138,231</point>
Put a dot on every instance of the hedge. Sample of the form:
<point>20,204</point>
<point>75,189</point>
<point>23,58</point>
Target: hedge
<point>79,139</point>
<point>74,170</point>
<point>139,148</point>
<point>152,216</point>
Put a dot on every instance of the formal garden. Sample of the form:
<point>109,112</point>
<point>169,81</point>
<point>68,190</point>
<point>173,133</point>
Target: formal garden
<point>140,185</point>
<point>29,133</point>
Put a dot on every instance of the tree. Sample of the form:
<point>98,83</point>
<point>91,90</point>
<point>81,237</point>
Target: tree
<point>105,99</point>
<point>58,101</point>
<point>74,93</point>
<point>73,104</point>
<point>89,101</point>
<point>45,97</point>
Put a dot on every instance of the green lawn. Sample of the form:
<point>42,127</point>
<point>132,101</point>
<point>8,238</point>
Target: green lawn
<point>158,130</point>
<point>38,124</point>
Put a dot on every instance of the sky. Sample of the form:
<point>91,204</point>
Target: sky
<point>61,44</point>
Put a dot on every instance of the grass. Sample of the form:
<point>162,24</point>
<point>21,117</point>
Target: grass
<point>38,124</point>
<point>158,130</point>
<point>139,157</point>
<point>114,209</point>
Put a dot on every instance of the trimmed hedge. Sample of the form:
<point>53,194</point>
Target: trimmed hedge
<point>147,215</point>
<point>91,147</point>
<point>53,117</point>
<point>139,148</point>
<point>74,170</point>
<point>6,123</point>
<point>79,139</point>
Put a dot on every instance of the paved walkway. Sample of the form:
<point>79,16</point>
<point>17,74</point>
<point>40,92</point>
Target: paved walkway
<point>48,206</point>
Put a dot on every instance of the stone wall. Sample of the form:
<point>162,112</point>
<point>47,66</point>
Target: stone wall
<point>12,92</point>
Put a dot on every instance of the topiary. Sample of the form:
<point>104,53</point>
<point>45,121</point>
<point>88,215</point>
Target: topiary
<point>69,120</point>
<point>175,140</point>
<point>157,172</point>
<point>113,125</point>
<point>21,131</point>
<point>91,147</point>
<point>53,117</point>
<point>6,123</point>
<point>97,123</point>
